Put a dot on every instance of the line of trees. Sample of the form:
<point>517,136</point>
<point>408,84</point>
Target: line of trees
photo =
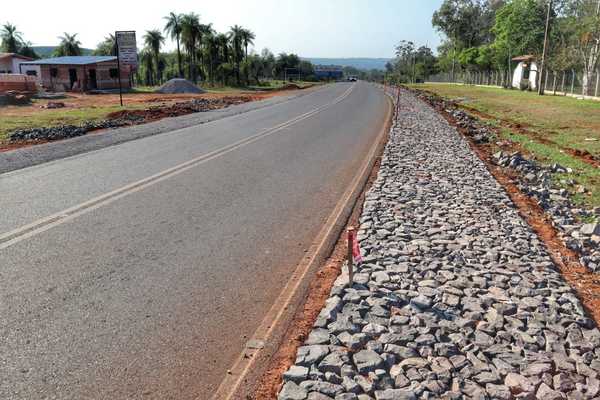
<point>11,41</point>
<point>202,53</point>
<point>484,35</point>
<point>412,64</point>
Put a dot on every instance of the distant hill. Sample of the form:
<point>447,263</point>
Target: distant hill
<point>360,63</point>
<point>46,51</point>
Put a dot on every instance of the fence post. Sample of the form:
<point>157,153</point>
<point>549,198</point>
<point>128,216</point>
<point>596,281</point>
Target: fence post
<point>573,76</point>
<point>554,82</point>
<point>597,83</point>
<point>562,87</point>
<point>546,81</point>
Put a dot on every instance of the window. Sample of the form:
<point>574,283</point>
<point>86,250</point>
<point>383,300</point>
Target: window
<point>31,73</point>
<point>114,73</point>
<point>53,72</point>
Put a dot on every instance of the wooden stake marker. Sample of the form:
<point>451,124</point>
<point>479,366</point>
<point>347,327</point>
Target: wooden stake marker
<point>351,233</point>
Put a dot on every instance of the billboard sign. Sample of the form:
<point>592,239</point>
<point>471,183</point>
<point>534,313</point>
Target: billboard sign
<point>127,48</point>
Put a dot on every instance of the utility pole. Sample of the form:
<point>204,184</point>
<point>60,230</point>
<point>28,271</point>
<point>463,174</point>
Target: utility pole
<point>541,79</point>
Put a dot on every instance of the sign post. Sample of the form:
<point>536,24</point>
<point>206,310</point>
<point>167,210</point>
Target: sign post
<point>126,54</point>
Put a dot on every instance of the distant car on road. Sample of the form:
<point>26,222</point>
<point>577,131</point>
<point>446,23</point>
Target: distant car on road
<point>352,78</point>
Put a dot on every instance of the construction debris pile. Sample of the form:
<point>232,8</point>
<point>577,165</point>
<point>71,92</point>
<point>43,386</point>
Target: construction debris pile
<point>179,86</point>
<point>182,108</point>
<point>125,118</point>
<point>536,181</point>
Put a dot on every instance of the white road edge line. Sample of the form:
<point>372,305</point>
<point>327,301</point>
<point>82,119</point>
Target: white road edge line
<point>27,231</point>
<point>241,367</point>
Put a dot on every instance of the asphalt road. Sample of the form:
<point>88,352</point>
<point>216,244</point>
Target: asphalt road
<point>139,271</point>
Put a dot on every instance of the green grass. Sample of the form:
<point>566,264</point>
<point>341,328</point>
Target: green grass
<point>552,125</point>
<point>56,117</point>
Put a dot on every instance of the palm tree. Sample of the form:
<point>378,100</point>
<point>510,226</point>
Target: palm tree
<point>11,38</point>
<point>27,50</point>
<point>154,40</point>
<point>173,28</point>
<point>204,31</point>
<point>247,38</point>
<point>222,40</point>
<point>190,32</point>
<point>108,47</point>
<point>235,33</point>
<point>147,60</point>
<point>69,46</point>
<point>212,50</point>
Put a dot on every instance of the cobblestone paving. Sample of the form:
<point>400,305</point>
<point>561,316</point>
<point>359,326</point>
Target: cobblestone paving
<point>456,297</point>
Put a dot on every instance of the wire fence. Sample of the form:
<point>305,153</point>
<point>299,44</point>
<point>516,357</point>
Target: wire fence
<point>556,82</point>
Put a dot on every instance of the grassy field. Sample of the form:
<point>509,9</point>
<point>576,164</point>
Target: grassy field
<point>55,117</point>
<point>551,128</point>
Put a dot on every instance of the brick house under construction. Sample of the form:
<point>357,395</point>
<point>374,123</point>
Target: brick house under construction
<point>81,73</point>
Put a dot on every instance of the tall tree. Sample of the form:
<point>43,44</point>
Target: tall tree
<point>204,31</point>
<point>236,36</point>
<point>212,51</point>
<point>69,46</point>
<point>190,33</point>
<point>108,47</point>
<point>247,39</point>
<point>174,28</point>
<point>222,40</point>
<point>27,50</point>
<point>147,62</point>
<point>11,38</point>
<point>584,17</point>
<point>153,40</point>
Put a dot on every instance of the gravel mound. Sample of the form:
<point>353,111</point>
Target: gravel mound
<point>456,298</point>
<point>179,86</point>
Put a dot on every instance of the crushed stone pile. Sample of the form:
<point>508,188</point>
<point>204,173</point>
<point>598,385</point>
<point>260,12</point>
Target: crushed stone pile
<point>179,86</point>
<point>457,298</point>
<point>579,228</point>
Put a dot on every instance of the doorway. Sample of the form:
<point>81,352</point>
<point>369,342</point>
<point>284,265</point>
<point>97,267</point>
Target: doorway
<point>72,76</point>
<point>93,80</point>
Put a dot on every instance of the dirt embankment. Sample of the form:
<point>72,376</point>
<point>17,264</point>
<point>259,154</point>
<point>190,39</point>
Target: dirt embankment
<point>182,108</point>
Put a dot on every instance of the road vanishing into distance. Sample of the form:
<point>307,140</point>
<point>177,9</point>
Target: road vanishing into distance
<point>140,270</point>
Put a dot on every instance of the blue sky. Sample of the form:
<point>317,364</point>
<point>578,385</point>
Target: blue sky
<point>310,28</point>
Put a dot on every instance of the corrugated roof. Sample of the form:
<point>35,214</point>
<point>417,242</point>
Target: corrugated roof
<point>14,55</point>
<point>72,60</point>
